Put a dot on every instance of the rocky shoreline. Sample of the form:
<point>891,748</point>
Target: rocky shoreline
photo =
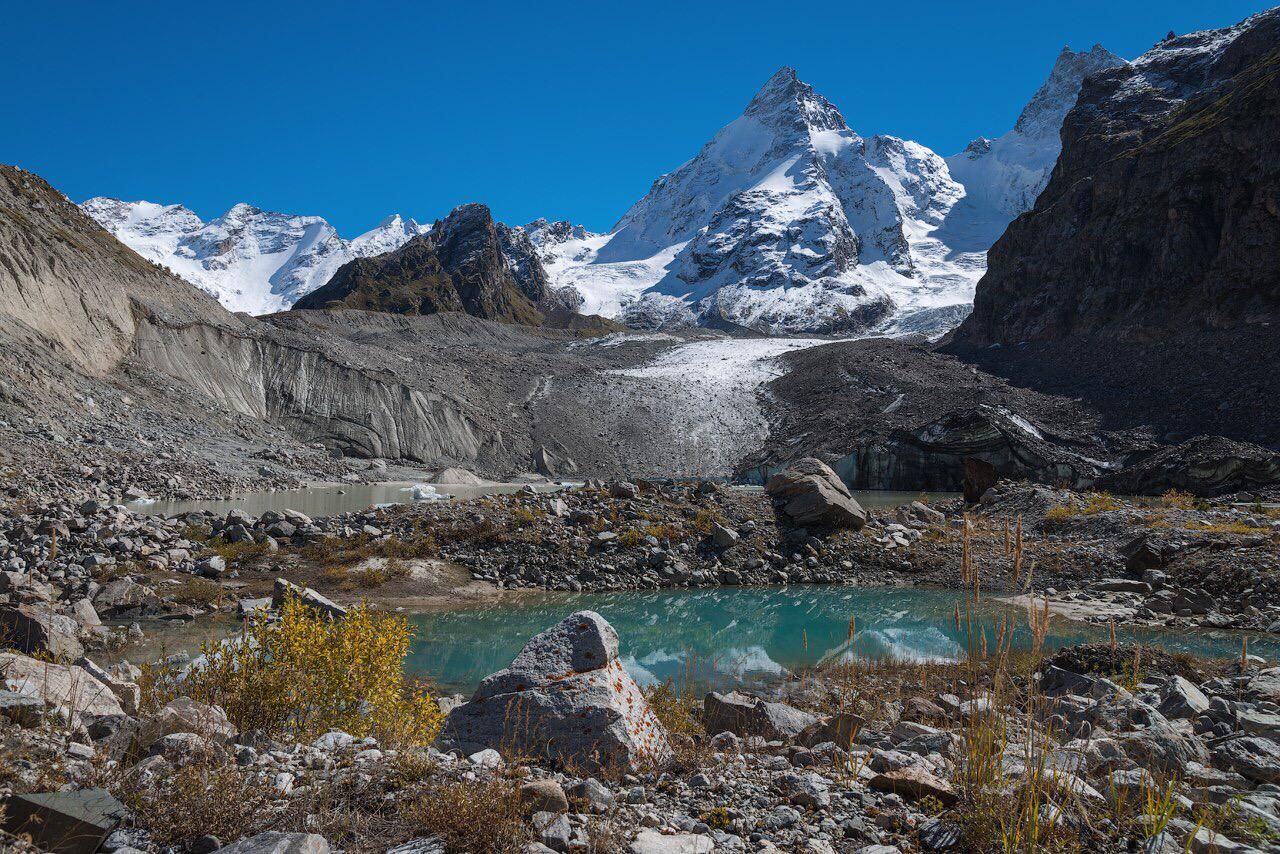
<point>870,758</point>
<point>1110,748</point>
<point>1175,561</point>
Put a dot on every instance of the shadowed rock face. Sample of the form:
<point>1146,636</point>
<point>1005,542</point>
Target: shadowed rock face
<point>461,265</point>
<point>1207,465</point>
<point>1147,278</point>
<point>565,698</point>
<point>1163,213</point>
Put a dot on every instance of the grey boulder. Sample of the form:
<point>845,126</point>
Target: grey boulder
<point>742,714</point>
<point>565,698</point>
<point>273,842</point>
<point>1181,699</point>
<point>34,628</point>
<point>810,495</point>
<point>67,822</point>
<point>1251,756</point>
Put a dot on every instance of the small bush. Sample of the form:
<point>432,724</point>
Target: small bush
<point>1177,500</point>
<point>344,551</point>
<point>305,674</point>
<point>704,520</point>
<point>676,710</point>
<point>236,553</point>
<point>198,591</point>
<point>482,816</point>
<point>717,818</point>
<point>1101,502</point>
<point>523,517</point>
<point>630,538</point>
<point>664,531</point>
<point>376,576</point>
<point>203,797</point>
<point>1058,514</point>
<point>1226,528</point>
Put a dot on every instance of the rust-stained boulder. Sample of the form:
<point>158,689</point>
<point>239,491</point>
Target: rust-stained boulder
<point>566,699</point>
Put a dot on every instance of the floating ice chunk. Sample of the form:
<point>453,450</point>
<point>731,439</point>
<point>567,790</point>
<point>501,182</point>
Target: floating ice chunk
<point>425,492</point>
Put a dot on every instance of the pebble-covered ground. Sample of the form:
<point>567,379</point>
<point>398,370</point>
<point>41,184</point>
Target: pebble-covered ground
<point>1089,740</point>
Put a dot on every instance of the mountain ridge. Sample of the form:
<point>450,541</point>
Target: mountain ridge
<point>251,259</point>
<point>786,221</point>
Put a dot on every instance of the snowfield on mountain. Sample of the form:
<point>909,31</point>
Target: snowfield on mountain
<point>252,260</point>
<point>786,222</point>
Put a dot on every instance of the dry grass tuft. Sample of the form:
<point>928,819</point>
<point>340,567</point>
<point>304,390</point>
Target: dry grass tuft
<point>480,816</point>
<point>202,797</point>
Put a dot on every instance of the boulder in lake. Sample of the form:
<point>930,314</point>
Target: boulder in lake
<point>566,699</point>
<point>810,495</point>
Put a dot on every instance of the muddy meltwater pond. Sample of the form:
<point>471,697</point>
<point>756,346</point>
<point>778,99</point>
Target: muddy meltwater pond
<point>736,636</point>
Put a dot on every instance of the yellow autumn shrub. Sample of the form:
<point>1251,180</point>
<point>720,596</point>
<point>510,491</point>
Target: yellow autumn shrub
<point>305,674</point>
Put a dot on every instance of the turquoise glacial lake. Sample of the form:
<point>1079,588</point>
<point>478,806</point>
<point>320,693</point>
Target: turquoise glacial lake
<point>756,636</point>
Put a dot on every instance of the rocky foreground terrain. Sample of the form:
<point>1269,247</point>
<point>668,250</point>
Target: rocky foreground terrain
<point>1102,746</point>
<point>1110,748</point>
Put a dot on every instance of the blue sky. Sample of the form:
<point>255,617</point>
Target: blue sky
<point>352,111</point>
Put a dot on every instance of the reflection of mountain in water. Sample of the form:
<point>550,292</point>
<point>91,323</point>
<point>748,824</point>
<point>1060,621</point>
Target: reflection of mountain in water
<point>915,645</point>
<point>725,636</point>
<point>729,636</point>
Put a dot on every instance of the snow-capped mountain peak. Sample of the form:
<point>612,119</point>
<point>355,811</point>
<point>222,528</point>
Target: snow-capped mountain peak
<point>788,220</point>
<point>787,102</point>
<point>392,233</point>
<point>785,220</point>
<point>252,260</point>
<point>1002,177</point>
<point>1045,111</point>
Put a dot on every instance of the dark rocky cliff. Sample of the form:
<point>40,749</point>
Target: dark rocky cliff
<point>465,263</point>
<point>1163,213</point>
<point>1147,277</point>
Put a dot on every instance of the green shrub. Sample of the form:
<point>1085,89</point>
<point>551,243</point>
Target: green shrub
<point>306,674</point>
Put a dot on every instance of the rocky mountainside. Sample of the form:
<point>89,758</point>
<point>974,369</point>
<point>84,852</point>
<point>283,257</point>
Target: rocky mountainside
<point>1154,241</point>
<point>72,291</point>
<point>1162,214</point>
<point>466,262</point>
<point>789,221</point>
<point>1002,177</point>
<point>252,260</point>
